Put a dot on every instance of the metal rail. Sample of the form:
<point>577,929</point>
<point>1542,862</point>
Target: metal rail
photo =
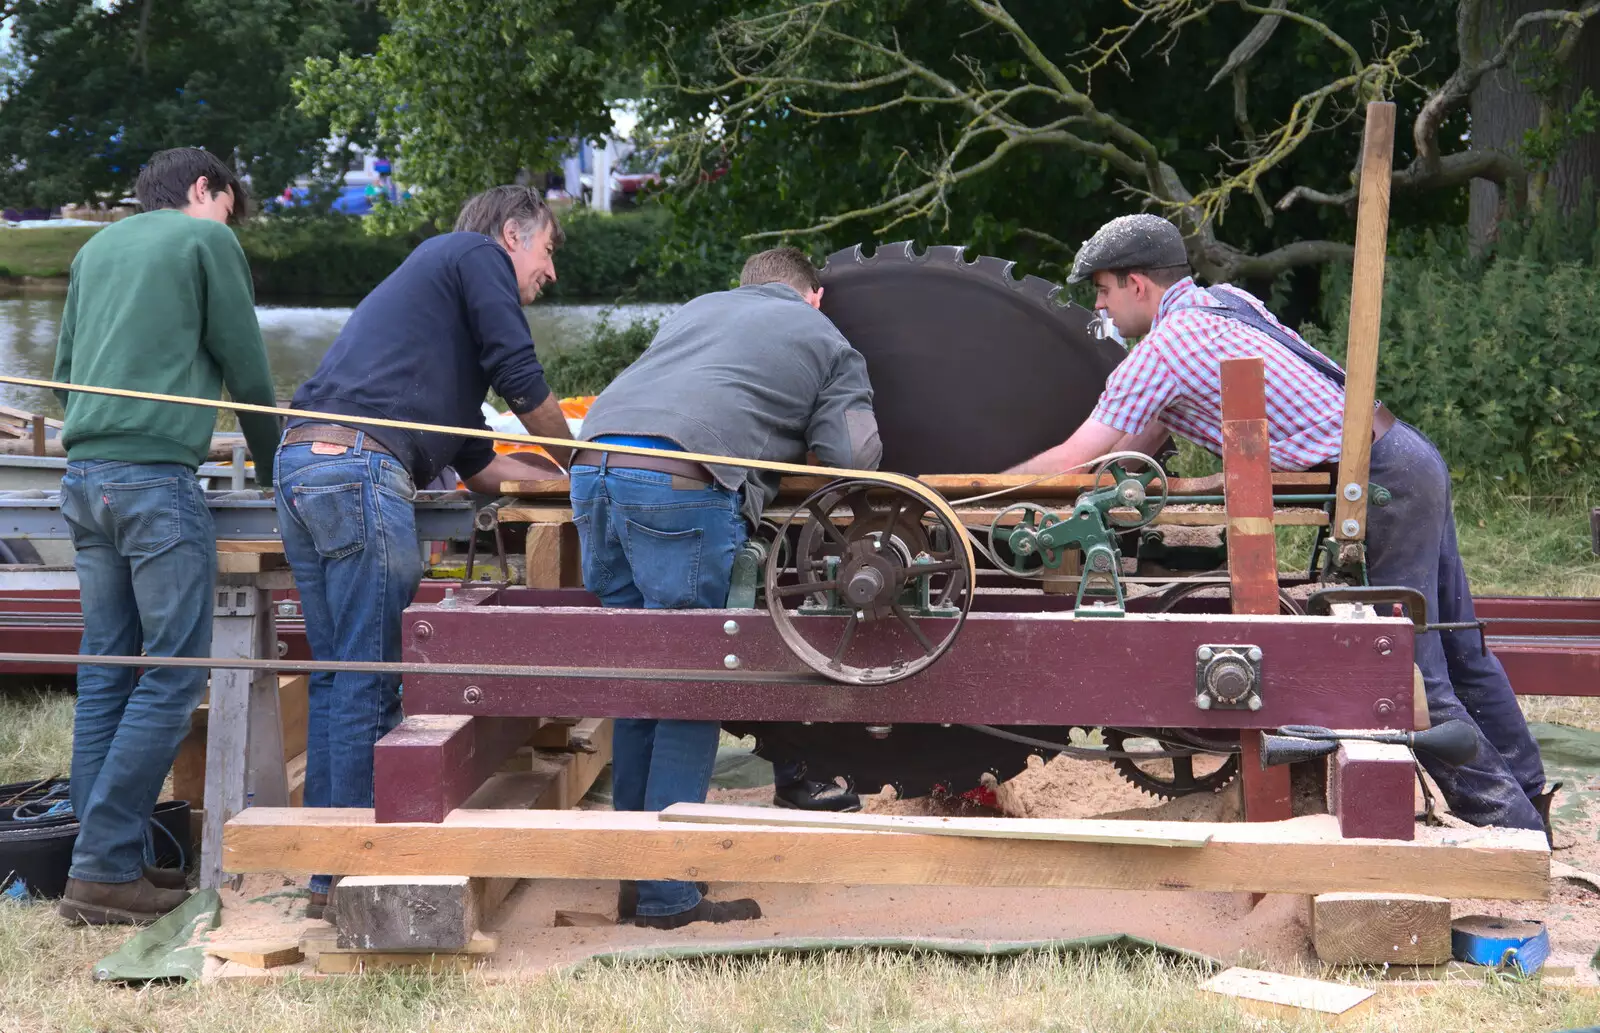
<point>406,667</point>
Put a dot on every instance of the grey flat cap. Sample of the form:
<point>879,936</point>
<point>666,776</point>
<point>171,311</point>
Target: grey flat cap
<point>1141,241</point>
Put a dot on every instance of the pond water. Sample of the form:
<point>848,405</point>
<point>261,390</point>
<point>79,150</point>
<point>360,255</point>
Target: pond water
<point>296,337</point>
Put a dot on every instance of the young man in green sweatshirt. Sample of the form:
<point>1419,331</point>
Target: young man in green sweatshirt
<point>160,302</point>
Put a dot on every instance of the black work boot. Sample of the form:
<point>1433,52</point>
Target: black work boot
<point>166,878</point>
<point>628,899</point>
<point>1541,803</point>
<point>807,795</point>
<point>715,911</point>
<point>117,903</point>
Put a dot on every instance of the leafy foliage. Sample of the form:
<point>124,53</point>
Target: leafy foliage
<point>470,93</point>
<point>617,256</point>
<point>99,87</point>
<point>586,369</point>
<point>1493,356</point>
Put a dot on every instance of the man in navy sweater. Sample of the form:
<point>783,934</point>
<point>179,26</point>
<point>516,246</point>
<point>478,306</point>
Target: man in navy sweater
<point>424,347</point>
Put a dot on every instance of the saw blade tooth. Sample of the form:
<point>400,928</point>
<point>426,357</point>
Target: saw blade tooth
<point>1047,293</point>
<point>842,259</point>
<point>945,254</point>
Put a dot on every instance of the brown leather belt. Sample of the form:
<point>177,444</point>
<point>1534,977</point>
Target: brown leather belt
<point>678,468</point>
<point>332,434</point>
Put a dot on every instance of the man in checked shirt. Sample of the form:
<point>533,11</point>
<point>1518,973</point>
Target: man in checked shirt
<point>1171,381</point>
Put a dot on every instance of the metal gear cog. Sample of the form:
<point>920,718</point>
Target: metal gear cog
<point>1182,780</point>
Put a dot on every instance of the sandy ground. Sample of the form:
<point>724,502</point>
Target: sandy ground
<point>1274,933</point>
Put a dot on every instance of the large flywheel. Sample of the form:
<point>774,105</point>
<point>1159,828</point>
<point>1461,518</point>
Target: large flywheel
<point>973,370</point>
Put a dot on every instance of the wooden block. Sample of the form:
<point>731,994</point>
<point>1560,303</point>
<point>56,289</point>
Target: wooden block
<point>249,562</point>
<point>552,735</point>
<point>1068,830</point>
<point>536,515</point>
<point>189,766</point>
<point>582,919</point>
<point>1381,929</point>
<point>1371,790</point>
<point>268,546</point>
<point>257,953</point>
<point>294,712</point>
<point>1302,855</point>
<point>431,912</point>
<point>553,557</point>
<point>430,763</point>
<point>1290,997</point>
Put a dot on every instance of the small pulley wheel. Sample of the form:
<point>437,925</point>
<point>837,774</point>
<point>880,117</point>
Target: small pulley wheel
<point>1133,473</point>
<point>1017,528</point>
<point>893,572</point>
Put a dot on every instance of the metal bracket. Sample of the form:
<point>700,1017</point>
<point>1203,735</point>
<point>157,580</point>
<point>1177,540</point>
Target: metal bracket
<point>1320,603</point>
<point>236,601</point>
<point>1227,677</point>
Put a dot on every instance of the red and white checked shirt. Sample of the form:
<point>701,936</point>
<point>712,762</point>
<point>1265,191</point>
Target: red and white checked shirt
<point>1175,374</point>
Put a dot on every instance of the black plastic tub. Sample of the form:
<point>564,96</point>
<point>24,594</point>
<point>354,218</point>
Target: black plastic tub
<point>38,852</point>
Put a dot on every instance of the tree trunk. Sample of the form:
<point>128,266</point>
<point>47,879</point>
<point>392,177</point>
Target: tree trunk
<point>1503,108</point>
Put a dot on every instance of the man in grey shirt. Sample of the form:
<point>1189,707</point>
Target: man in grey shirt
<point>755,373</point>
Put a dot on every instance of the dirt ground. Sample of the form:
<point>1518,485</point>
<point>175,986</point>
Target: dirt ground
<point>1274,933</point>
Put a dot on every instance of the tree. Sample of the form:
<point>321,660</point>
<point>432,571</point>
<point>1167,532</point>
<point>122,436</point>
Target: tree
<point>98,88</point>
<point>471,93</point>
<point>993,88</point>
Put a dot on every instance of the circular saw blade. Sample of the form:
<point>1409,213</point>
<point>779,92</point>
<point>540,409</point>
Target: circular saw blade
<point>972,369</point>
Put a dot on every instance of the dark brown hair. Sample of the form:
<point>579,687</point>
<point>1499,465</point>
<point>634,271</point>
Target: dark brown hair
<point>165,180</point>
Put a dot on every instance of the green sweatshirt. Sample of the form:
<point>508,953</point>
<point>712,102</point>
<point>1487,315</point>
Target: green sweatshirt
<point>162,302</point>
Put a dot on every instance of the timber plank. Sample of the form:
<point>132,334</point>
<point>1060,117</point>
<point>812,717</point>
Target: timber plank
<point>1301,855</point>
<point>1290,997</point>
<point>257,953</point>
<point>1073,830</point>
<point>1381,929</point>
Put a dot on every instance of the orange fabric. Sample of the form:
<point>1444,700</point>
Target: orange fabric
<point>572,408</point>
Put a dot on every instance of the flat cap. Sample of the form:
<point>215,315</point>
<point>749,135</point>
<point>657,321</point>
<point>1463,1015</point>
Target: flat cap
<point>1141,241</point>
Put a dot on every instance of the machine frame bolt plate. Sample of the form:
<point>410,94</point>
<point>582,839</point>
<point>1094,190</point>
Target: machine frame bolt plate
<point>1227,677</point>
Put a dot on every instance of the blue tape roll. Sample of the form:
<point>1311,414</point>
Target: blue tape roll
<point>1500,942</point>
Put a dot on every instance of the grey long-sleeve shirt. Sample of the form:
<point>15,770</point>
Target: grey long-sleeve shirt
<point>754,373</point>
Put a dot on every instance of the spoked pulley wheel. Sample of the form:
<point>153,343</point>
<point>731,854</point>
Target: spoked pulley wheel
<point>882,583</point>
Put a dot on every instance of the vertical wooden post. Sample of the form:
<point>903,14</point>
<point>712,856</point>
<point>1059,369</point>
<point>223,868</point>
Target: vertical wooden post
<point>1252,552</point>
<point>38,434</point>
<point>1366,311</point>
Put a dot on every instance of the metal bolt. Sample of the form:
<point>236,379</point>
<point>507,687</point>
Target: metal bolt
<point>1385,647</point>
<point>422,629</point>
<point>861,615</point>
<point>879,731</point>
<point>944,724</point>
<point>1254,653</point>
<point>731,662</point>
<point>449,600</point>
<point>1203,702</point>
<point>286,608</point>
<point>283,649</point>
<point>1352,491</point>
<point>1204,653</point>
<point>473,694</point>
<point>1384,707</point>
<point>730,627</point>
<point>1255,703</point>
<point>1351,527</point>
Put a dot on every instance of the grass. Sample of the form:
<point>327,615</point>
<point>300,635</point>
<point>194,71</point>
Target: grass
<point>44,253</point>
<point>1512,543</point>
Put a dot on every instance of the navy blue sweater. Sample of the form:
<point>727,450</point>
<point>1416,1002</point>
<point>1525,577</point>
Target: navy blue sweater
<point>426,346</point>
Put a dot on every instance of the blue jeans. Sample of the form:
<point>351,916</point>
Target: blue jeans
<point>1412,542</point>
<point>350,536</point>
<point>648,544</point>
<point>147,565</point>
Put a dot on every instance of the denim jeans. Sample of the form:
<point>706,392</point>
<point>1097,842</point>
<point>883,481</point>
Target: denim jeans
<point>350,536</point>
<point>147,565</point>
<point>648,544</point>
<point>1412,542</point>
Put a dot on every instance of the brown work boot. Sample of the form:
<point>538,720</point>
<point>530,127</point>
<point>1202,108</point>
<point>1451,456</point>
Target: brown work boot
<point>166,878</point>
<point>321,905</point>
<point>628,899</point>
<point>117,903</point>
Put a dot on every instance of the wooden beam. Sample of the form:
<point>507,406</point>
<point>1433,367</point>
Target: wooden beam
<point>1074,830</point>
<point>1304,855</point>
<point>552,555</point>
<point>418,912</point>
<point>1252,553</point>
<point>256,953</point>
<point>1381,929</point>
<point>957,486</point>
<point>1366,317</point>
